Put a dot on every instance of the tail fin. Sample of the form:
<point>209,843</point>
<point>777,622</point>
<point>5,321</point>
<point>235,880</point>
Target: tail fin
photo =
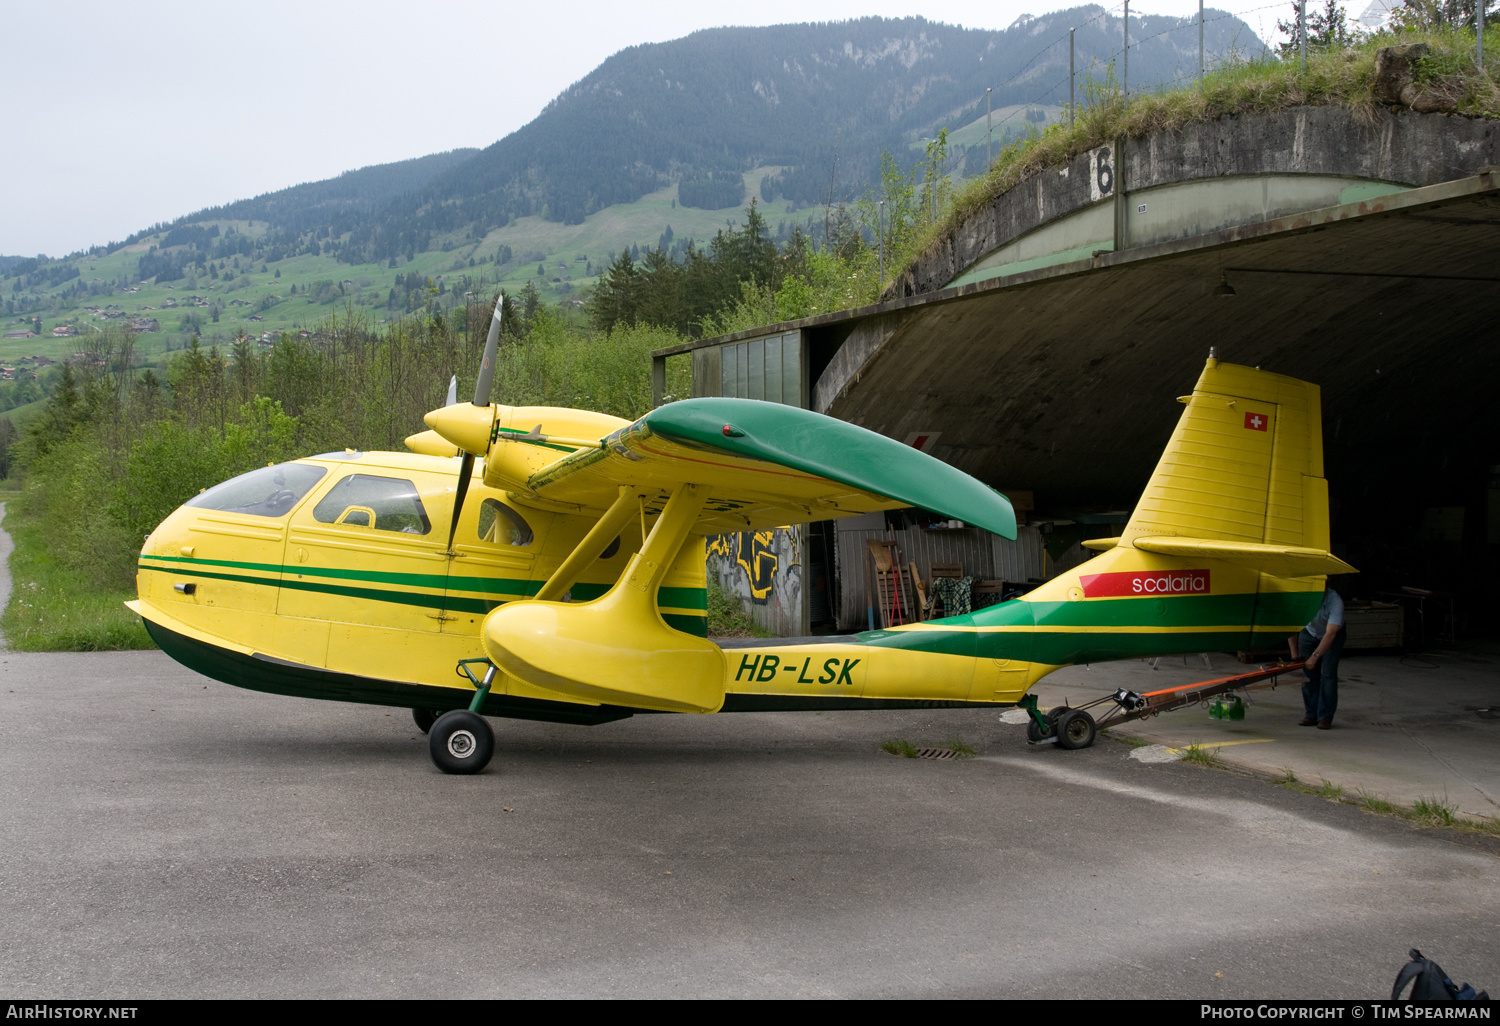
<point>1242,477</point>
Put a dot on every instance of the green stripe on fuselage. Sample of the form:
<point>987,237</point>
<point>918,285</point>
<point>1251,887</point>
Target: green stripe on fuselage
<point>688,624</point>
<point>1162,626</point>
<point>296,578</point>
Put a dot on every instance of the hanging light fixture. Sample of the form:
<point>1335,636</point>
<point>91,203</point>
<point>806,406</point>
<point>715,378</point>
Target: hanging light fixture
<point>1224,289</point>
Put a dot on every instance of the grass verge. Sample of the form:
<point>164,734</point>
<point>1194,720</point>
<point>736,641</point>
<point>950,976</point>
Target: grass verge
<point>54,609</point>
<point>960,748</point>
<point>727,619</point>
<point>1439,813</point>
<point>1425,812</point>
<point>1202,755</point>
<point>903,748</point>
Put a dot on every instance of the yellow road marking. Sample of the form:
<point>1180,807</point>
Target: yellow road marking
<point>1224,744</point>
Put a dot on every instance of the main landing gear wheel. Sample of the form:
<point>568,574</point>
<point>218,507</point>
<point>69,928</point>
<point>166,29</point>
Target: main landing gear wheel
<point>461,742</point>
<point>424,718</point>
<point>1075,729</point>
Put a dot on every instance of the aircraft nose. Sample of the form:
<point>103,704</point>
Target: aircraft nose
<point>464,425</point>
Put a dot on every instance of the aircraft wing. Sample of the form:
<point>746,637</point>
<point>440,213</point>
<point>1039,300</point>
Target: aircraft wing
<point>766,465</point>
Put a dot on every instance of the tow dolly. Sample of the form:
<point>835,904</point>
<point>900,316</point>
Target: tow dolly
<point>1073,727</point>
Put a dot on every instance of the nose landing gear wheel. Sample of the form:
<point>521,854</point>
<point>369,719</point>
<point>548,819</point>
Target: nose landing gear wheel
<point>1035,733</point>
<point>424,718</point>
<point>461,742</point>
<point>1075,729</point>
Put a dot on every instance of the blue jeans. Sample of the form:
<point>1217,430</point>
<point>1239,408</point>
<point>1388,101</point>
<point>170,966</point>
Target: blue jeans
<point>1320,692</point>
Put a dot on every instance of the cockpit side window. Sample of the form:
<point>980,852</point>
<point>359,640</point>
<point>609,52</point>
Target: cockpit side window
<point>371,502</point>
<point>267,492</point>
<point>501,525</point>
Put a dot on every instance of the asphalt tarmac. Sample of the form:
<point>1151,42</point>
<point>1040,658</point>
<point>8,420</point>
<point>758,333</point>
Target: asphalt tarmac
<point>164,835</point>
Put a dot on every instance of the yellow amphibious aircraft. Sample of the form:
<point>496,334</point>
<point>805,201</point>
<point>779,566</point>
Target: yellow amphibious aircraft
<point>564,580</point>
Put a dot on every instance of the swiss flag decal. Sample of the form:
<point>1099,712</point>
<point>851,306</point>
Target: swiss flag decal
<point>1256,421</point>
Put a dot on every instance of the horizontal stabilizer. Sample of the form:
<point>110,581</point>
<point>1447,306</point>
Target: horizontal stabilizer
<point>1276,560</point>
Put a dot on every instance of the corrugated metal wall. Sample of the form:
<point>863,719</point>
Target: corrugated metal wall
<point>981,554</point>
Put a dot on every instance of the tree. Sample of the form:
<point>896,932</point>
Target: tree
<point>935,176</point>
<point>1327,29</point>
<point>8,436</point>
<point>890,210</point>
<point>660,300</point>
<point>614,300</point>
<point>530,300</point>
<point>1426,14</point>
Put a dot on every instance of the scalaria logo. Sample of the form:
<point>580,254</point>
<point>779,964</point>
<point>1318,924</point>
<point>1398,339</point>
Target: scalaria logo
<point>1156,582</point>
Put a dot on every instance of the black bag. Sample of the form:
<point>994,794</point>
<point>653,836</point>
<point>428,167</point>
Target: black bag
<point>1432,984</point>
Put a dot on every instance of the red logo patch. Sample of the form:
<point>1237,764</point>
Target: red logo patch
<point>1159,582</point>
<point>1256,421</point>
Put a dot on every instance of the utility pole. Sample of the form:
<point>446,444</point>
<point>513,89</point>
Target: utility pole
<point>1072,104</point>
<point>1302,31</point>
<point>1200,42</point>
<point>880,234</point>
<point>1125,75</point>
<point>989,133</point>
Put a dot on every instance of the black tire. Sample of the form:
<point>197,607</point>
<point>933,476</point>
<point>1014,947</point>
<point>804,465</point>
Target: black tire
<point>1075,730</point>
<point>461,742</point>
<point>424,718</point>
<point>1035,733</point>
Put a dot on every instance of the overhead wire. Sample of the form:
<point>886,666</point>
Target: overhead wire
<point>1188,22</point>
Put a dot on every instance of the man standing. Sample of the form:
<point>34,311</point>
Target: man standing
<point>1320,643</point>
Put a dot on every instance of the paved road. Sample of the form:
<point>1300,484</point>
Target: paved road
<point>165,835</point>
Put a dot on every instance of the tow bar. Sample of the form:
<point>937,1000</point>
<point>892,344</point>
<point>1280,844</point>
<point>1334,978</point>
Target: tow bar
<point>1074,728</point>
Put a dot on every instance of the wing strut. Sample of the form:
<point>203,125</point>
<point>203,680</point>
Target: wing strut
<point>594,543</point>
<point>616,649</point>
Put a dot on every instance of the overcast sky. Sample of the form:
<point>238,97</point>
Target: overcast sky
<point>119,115</point>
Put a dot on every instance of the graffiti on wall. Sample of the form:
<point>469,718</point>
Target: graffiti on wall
<point>759,554</point>
<point>764,570</point>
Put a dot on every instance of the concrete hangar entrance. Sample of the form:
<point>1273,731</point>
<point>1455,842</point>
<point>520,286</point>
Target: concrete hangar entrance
<point>1040,347</point>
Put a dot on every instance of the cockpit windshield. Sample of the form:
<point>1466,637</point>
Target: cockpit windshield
<point>267,492</point>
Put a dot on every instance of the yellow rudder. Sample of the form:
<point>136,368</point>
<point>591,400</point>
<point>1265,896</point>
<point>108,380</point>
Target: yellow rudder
<point>1242,477</point>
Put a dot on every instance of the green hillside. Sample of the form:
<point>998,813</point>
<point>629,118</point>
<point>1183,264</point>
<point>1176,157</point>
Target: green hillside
<point>791,116</point>
<point>263,297</point>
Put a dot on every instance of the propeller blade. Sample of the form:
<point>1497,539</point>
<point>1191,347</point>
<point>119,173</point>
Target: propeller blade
<point>487,365</point>
<point>481,398</point>
<point>465,471</point>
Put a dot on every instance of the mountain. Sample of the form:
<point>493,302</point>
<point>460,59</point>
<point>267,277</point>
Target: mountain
<point>794,96</point>
<point>816,103</point>
<point>662,143</point>
<point>313,204</point>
